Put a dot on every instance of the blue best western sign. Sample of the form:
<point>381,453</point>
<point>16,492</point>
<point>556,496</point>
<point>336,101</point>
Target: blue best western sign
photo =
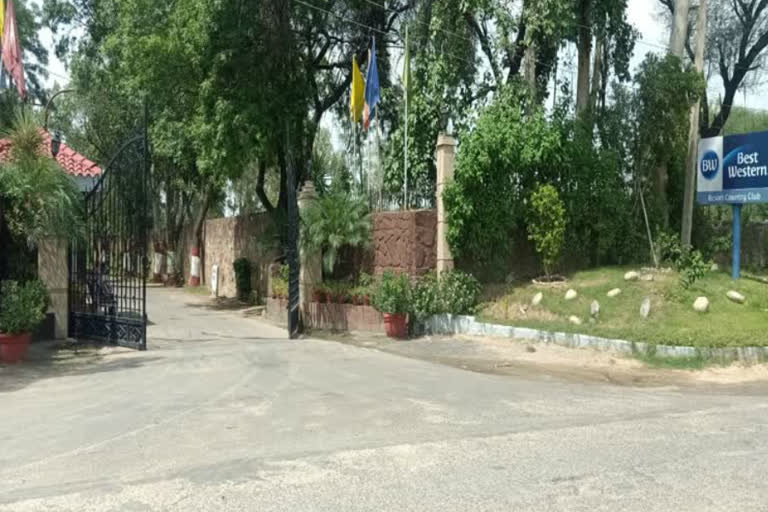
<point>733,169</point>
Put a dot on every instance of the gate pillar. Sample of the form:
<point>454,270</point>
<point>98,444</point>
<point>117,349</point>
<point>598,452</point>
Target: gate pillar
<point>311,273</point>
<point>52,263</point>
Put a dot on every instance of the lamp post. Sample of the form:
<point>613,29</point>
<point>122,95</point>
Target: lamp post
<point>55,144</point>
<point>50,102</point>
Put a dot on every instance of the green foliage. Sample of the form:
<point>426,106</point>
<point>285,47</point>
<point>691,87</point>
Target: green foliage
<point>40,200</point>
<point>23,306</point>
<point>459,292</point>
<point>546,225</point>
<point>692,267</point>
<point>337,220</point>
<point>393,294</point>
<point>425,297</point>
<point>243,277</point>
<point>279,282</point>
<point>456,292</point>
<point>668,248</point>
<point>500,162</point>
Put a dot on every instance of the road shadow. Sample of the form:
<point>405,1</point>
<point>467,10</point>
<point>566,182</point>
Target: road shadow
<point>47,360</point>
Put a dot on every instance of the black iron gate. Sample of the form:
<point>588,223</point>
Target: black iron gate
<point>108,268</point>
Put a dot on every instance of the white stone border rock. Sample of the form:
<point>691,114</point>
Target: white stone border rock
<point>454,324</point>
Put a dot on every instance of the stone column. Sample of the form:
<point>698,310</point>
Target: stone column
<point>311,273</point>
<point>446,157</point>
<point>52,268</point>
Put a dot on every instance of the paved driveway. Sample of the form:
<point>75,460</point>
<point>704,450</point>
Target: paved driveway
<point>222,414</point>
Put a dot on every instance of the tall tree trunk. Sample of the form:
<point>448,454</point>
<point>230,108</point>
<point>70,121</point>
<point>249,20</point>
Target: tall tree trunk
<point>662,177</point>
<point>597,76</point>
<point>679,33</point>
<point>585,55</point>
<point>693,132</point>
<point>530,69</point>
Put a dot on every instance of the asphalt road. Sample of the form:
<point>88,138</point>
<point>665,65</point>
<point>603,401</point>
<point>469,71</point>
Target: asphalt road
<point>222,413</point>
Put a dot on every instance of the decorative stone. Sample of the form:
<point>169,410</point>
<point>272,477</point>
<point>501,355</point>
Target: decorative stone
<point>594,309</point>
<point>537,299</point>
<point>571,294</point>
<point>614,293</point>
<point>645,308</point>
<point>701,305</point>
<point>574,320</point>
<point>646,277</point>
<point>736,297</point>
<point>631,276</point>
<point>714,268</point>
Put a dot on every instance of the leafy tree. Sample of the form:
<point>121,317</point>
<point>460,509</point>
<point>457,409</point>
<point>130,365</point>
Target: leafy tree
<point>500,162</point>
<point>546,225</point>
<point>38,199</point>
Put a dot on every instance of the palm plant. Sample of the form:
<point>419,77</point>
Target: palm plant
<point>335,221</point>
<point>37,199</point>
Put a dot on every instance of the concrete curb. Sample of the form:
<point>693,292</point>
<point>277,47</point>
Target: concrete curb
<point>455,324</point>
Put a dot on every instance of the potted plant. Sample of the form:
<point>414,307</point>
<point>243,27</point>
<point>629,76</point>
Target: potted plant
<point>318,294</point>
<point>392,299</point>
<point>22,309</point>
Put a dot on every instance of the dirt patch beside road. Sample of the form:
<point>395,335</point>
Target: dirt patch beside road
<point>519,358</point>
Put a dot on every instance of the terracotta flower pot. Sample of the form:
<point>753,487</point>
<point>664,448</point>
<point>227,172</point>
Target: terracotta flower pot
<point>318,296</point>
<point>328,298</point>
<point>396,325</point>
<point>13,347</point>
<point>366,300</point>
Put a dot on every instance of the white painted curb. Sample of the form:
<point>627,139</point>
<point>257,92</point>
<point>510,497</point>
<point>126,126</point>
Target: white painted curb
<point>456,324</point>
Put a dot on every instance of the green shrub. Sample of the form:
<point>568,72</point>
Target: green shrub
<point>546,225</point>
<point>456,292</point>
<point>692,267</point>
<point>668,248</point>
<point>243,278</point>
<point>336,221</point>
<point>393,294</point>
<point>459,293</point>
<point>425,297</point>
<point>280,282</point>
<point>23,306</point>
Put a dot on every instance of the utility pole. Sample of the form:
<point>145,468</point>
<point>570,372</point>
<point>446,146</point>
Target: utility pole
<point>693,132</point>
<point>679,28</point>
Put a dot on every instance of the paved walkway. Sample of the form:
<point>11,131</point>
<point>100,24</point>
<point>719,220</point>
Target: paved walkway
<point>223,414</point>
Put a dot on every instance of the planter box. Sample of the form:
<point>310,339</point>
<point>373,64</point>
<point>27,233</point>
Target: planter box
<point>330,317</point>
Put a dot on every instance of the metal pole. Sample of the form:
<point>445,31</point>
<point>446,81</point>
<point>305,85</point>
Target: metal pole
<point>50,102</point>
<point>405,153</point>
<point>736,256</point>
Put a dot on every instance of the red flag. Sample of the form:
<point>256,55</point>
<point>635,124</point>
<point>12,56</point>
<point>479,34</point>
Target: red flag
<point>12,50</point>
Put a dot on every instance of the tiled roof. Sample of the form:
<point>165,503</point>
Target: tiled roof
<point>70,160</point>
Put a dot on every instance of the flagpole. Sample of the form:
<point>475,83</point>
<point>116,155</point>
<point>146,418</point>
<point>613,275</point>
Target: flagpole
<point>405,153</point>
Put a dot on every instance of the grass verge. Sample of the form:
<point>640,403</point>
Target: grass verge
<point>672,320</point>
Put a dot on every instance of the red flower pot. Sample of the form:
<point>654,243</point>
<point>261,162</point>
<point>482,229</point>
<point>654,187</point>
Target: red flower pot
<point>318,296</point>
<point>13,347</point>
<point>396,325</point>
<point>328,298</point>
<point>367,300</point>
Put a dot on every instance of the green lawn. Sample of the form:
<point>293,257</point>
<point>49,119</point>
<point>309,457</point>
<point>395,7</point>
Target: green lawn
<point>672,320</point>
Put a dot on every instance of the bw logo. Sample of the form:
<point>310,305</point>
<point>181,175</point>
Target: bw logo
<point>710,164</point>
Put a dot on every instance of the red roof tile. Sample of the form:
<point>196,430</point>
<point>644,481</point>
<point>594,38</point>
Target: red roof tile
<point>71,161</point>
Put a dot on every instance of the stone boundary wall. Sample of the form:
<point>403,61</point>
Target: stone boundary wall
<point>404,242</point>
<point>329,317</point>
<point>455,324</point>
<point>226,239</point>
